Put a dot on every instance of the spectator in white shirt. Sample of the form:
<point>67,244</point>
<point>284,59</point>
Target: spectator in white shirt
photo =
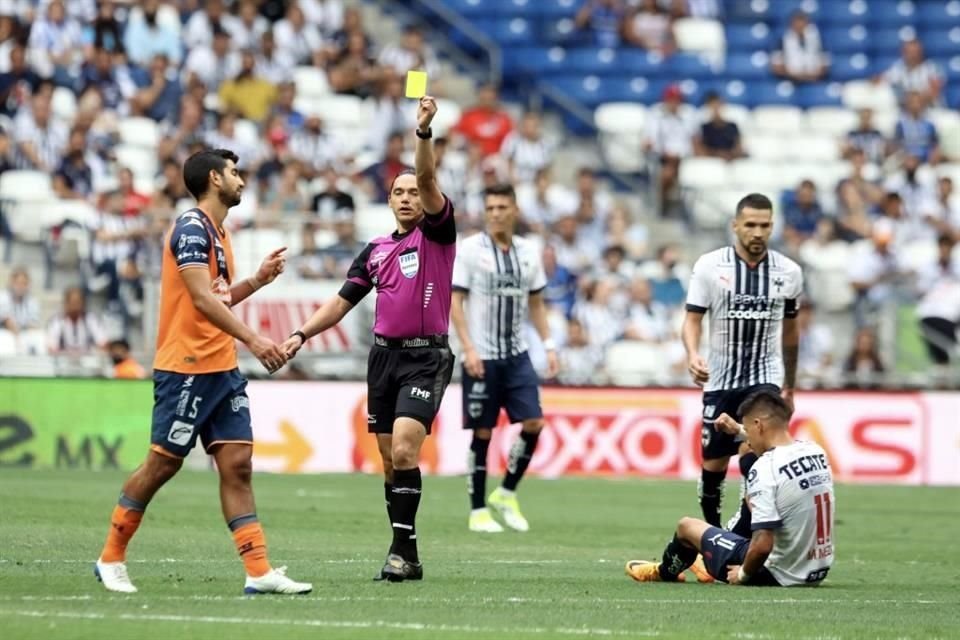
<point>872,272</point>
<point>412,53</point>
<point>247,27</point>
<point>225,137</point>
<point>297,39</point>
<point>580,361</point>
<point>815,365</point>
<point>650,27</point>
<point>939,307</point>
<point>314,147</point>
<point>527,150</point>
<point>212,65</point>
<point>326,15</point>
<point>40,138</point>
<point>801,57</point>
<point>391,113</point>
<point>272,62</point>
<point>669,136</point>
<point>594,205</point>
<point>147,35</point>
<point>914,73</point>
<point>915,188</point>
<point>943,211</point>
<point>648,320</point>
<point>75,331</point>
<point>601,323</point>
<point>544,201</point>
<point>20,314</point>
<point>575,253</point>
<point>56,44</point>
<point>201,26</point>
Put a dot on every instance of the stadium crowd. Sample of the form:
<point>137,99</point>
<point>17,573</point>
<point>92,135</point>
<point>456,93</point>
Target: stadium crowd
<point>210,73</point>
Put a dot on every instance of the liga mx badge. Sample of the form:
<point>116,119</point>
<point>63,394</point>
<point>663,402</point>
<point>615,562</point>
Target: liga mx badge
<point>409,264</point>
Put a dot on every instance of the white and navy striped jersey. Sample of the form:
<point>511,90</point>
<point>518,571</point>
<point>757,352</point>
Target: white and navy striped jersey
<point>528,156</point>
<point>746,307</point>
<point>499,284</point>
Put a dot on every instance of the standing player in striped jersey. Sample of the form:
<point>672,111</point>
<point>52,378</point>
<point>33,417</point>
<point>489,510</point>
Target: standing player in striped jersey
<point>502,278</point>
<point>751,295</point>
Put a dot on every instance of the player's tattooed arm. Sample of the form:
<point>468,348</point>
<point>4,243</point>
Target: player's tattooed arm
<point>761,544</point>
<point>791,354</point>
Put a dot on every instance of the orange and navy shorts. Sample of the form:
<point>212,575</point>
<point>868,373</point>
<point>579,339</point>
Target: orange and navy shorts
<point>211,406</point>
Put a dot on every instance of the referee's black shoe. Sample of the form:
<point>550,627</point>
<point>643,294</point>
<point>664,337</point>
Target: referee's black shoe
<point>396,569</point>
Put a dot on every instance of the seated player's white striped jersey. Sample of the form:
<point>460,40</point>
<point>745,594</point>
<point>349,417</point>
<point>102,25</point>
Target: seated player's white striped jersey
<point>790,490</point>
<point>745,307</point>
<point>498,284</point>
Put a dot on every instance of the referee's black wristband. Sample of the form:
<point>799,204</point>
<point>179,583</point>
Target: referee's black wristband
<point>302,336</point>
<point>425,135</point>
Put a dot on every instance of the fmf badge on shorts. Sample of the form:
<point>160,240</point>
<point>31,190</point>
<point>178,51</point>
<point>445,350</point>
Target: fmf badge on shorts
<point>409,264</point>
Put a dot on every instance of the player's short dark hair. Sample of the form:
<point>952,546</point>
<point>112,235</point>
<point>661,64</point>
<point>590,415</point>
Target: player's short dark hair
<point>768,401</point>
<point>754,201</point>
<point>501,189</point>
<point>197,168</point>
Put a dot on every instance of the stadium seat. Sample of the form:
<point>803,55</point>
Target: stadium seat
<point>743,38</point>
<point>632,362</point>
<point>372,221</point>
<point>819,94</point>
<point>470,8</point>
<point>64,104</point>
<point>939,13</point>
<point>448,115</point>
<point>713,208</point>
<point>844,11</point>
<point>844,67</point>
<point>701,35</point>
<point>621,127</point>
<point>311,82</point>
<point>704,173</point>
<point>247,132</point>
<point>139,132</point>
<point>783,120</point>
<point>512,31</point>
<point>859,94</point>
<point>339,110</point>
<point>757,175</point>
<point>591,90</point>
<point>142,161</point>
<point>25,185</point>
<point>941,42</point>
<point>749,9</point>
<point>771,93</point>
<point>832,121</point>
<point>697,66</point>
<point>748,66</point>
<point>826,274</point>
<point>893,13</point>
<point>765,146</point>
<point>846,39</point>
<point>537,60</point>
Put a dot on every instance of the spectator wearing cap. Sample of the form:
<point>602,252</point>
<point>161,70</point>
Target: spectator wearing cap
<point>669,136</point>
<point>146,36</point>
<point>485,124</point>
<point>915,134</point>
<point>247,93</point>
<point>650,27</point>
<point>801,57</point>
<point>719,137</point>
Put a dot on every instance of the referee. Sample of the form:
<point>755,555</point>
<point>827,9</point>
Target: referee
<point>410,363</point>
<point>751,295</point>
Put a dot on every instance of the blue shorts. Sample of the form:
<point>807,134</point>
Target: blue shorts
<point>511,383</point>
<point>716,444</point>
<point>722,549</point>
<point>211,406</point>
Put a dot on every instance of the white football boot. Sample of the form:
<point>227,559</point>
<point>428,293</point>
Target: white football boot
<point>114,576</point>
<point>275,581</point>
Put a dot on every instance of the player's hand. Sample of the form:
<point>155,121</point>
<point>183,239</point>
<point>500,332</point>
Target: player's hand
<point>272,266</point>
<point>425,111</point>
<point>268,353</point>
<point>726,424</point>
<point>733,574</point>
<point>697,367</point>
<point>553,364</point>
<point>290,346</point>
<point>787,395</point>
<point>473,364</point>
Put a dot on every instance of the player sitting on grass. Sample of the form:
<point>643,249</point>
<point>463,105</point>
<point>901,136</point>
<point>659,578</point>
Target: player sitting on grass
<point>790,491</point>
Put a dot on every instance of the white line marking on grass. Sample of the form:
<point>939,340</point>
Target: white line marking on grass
<point>336,624</point>
<point>462,600</point>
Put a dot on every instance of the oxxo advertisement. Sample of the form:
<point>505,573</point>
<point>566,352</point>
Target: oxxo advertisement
<point>307,427</point>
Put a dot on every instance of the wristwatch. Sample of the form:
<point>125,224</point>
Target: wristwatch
<point>301,335</point>
<point>425,135</point>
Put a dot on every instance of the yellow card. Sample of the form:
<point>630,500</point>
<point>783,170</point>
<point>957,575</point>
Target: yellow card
<point>416,84</point>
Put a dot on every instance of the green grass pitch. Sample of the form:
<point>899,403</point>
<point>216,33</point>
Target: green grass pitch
<point>897,573</point>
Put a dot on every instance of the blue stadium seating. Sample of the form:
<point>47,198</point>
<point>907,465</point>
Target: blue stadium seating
<point>953,96</point>
<point>941,42</point>
<point>535,60</point>
<point>512,31</point>
<point>845,11</point>
<point>748,66</point>
<point>617,62</point>
<point>893,14</point>
<point>845,67</point>
<point>845,38</point>
<point>939,13</point>
<point>885,40</point>
<point>748,10</point>
<point>820,94</point>
<point>750,37</point>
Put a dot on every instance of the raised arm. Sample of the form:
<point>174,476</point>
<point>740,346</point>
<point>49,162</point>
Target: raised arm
<point>425,164</point>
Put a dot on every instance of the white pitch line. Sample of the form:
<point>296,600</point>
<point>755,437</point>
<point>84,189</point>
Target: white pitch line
<point>335,624</point>
<point>461,600</point>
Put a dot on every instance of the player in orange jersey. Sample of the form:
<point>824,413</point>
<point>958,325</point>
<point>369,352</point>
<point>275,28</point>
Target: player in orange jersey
<point>198,390</point>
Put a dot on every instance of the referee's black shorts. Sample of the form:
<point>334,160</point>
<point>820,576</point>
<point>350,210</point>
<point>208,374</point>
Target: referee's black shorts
<point>406,383</point>
<point>716,444</point>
